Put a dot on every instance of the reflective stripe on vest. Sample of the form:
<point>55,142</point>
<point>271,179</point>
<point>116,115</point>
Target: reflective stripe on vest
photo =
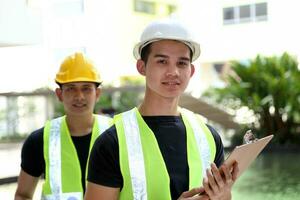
<point>135,156</point>
<point>136,162</point>
<point>54,128</point>
<point>202,143</point>
<point>63,196</point>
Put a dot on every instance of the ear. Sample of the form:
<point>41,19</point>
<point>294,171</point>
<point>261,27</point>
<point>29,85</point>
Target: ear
<point>58,92</point>
<point>192,70</point>
<point>98,93</point>
<point>141,67</point>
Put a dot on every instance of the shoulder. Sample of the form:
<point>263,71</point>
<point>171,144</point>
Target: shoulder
<point>35,137</point>
<point>107,138</point>
<point>34,142</point>
<point>219,156</point>
<point>214,133</point>
<point>32,161</point>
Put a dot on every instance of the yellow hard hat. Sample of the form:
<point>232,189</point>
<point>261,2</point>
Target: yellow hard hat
<point>77,68</point>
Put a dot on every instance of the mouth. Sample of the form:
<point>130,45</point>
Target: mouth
<point>171,83</point>
<point>79,105</point>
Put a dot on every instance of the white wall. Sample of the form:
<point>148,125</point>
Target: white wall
<point>19,24</point>
<point>242,41</point>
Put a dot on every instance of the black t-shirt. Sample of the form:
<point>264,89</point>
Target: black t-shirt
<point>32,156</point>
<point>104,166</point>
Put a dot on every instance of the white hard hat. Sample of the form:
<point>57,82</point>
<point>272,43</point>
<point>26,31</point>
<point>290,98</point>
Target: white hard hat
<point>167,29</point>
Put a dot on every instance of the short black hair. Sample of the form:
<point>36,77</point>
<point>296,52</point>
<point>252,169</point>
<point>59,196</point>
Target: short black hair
<point>146,51</point>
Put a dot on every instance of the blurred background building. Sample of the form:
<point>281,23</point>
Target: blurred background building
<point>37,34</point>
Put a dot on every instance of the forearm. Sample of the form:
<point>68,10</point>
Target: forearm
<point>22,197</point>
<point>26,186</point>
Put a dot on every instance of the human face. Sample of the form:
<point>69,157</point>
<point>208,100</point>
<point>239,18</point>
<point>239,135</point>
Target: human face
<point>168,69</point>
<point>78,98</point>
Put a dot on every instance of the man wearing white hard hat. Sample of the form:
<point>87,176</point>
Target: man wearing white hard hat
<point>159,151</point>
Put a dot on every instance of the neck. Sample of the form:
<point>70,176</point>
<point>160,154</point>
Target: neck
<point>80,125</point>
<point>159,107</point>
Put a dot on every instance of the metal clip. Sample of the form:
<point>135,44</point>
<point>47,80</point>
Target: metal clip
<point>249,137</point>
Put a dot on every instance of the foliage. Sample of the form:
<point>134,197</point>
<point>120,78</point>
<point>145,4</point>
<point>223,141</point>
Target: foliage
<point>270,87</point>
<point>120,101</point>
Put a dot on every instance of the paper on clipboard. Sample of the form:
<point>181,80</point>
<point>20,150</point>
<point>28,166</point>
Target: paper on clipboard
<point>245,154</point>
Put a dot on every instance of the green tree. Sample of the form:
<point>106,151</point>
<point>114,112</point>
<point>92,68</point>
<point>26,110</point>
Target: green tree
<point>126,97</point>
<point>270,87</point>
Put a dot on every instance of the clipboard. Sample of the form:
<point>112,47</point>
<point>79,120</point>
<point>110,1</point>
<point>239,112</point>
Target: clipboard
<point>245,154</point>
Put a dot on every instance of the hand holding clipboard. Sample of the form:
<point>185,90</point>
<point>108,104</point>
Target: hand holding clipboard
<point>245,154</point>
<point>235,164</point>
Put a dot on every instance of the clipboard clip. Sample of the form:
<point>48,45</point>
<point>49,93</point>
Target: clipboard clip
<point>249,137</point>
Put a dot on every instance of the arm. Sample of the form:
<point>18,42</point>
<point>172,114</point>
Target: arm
<point>95,192</point>
<point>32,165</point>
<point>104,176</point>
<point>26,186</point>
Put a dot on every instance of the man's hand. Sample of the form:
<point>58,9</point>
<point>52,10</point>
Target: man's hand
<point>219,182</point>
<point>194,194</point>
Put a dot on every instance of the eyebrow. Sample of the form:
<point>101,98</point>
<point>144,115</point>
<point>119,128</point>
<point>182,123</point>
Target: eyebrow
<point>74,85</point>
<point>165,56</point>
<point>160,55</point>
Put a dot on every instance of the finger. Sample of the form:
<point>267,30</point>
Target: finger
<point>217,175</point>
<point>227,174</point>
<point>192,192</point>
<point>235,171</point>
<point>204,197</point>
<point>207,187</point>
<point>211,181</point>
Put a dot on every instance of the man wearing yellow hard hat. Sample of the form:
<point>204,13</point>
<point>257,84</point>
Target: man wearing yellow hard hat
<point>60,150</point>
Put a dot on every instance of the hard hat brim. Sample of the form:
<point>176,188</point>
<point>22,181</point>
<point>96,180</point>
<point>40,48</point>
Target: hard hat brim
<point>195,47</point>
<point>79,79</point>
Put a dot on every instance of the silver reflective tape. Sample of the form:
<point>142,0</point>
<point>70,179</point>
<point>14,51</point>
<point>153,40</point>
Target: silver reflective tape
<point>202,143</point>
<point>64,196</point>
<point>55,156</point>
<point>135,155</point>
<point>103,123</point>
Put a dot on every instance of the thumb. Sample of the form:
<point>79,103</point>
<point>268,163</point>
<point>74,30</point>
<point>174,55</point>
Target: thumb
<point>192,192</point>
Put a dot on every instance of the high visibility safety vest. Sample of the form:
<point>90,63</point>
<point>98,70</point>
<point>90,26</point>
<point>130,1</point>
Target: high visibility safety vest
<point>144,172</point>
<point>63,172</point>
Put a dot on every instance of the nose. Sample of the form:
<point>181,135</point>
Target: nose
<point>172,70</point>
<point>79,94</point>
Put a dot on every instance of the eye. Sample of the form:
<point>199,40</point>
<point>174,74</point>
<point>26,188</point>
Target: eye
<point>69,89</point>
<point>162,61</point>
<point>87,89</point>
<point>183,63</point>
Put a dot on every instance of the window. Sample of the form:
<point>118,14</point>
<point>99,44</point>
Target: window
<point>245,13</point>
<point>154,7</point>
<point>228,13</point>
<point>261,11</point>
<point>144,6</point>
